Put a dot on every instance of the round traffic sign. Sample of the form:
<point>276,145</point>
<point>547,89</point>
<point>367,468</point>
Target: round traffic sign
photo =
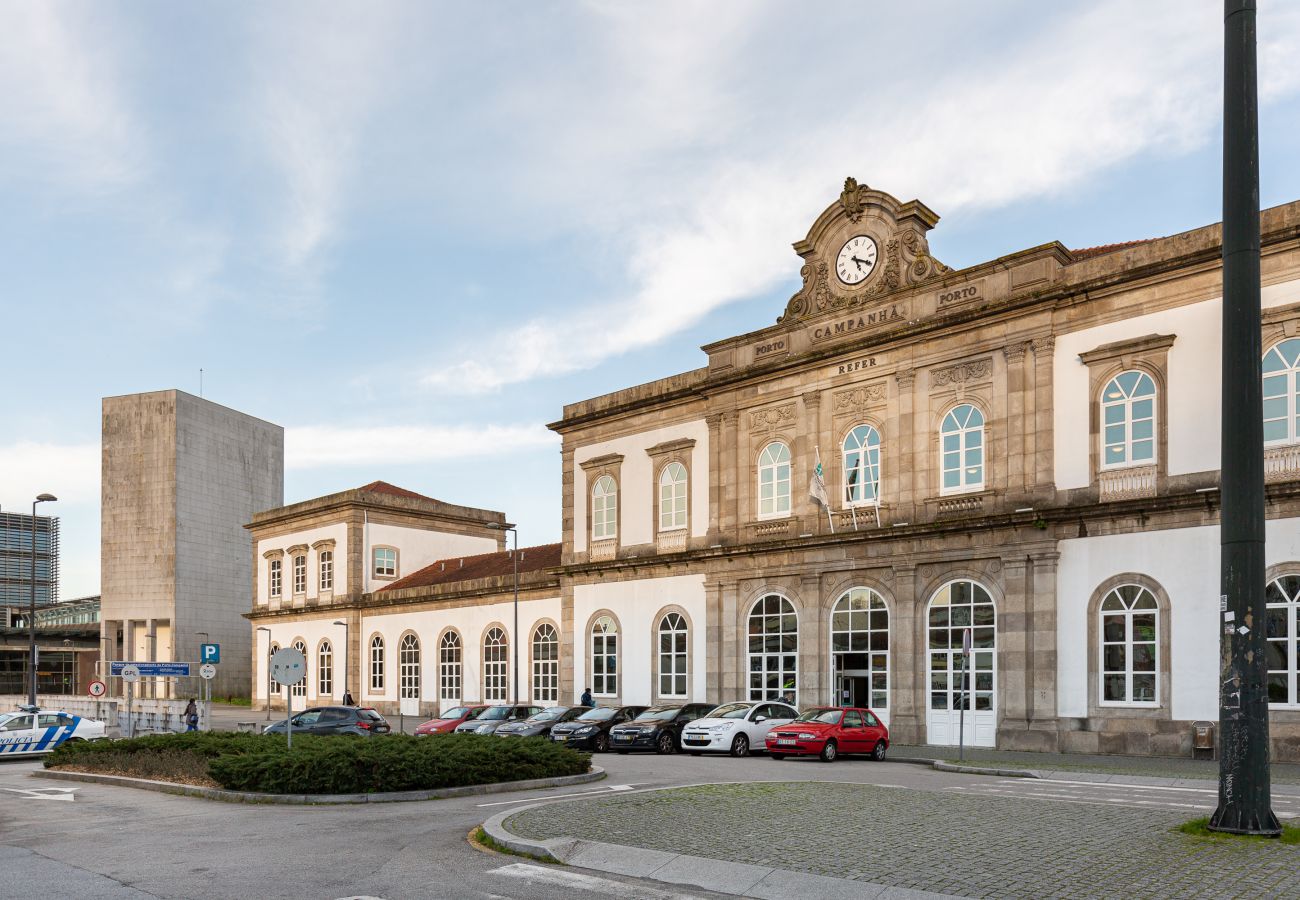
<point>288,666</point>
<point>130,674</point>
<point>97,688</point>
<point>208,671</point>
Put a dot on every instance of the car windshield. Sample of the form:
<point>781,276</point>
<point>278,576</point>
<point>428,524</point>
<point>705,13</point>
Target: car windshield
<point>597,715</point>
<point>456,712</point>
<point>730,711</point>
<point>828,716</point>
<point>549,715</point>
<point>496,713</point>
<point>658,715</point>
<point>5,717</point>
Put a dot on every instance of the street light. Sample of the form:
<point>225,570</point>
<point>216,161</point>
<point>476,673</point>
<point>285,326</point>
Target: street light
<point>31,622</point>
<point>268,670</point>
<point>514,559</point>
<point>203,681</point>
<point>345,656</point>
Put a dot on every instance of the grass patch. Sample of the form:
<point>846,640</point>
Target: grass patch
<point>483,839</point>
<point>1201,828</point>
<point>234,701</point>
<point>322,765</point>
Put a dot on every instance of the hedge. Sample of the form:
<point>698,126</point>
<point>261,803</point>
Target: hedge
<point>332,765</point>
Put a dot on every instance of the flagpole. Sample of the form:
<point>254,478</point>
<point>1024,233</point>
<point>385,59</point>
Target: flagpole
<point>817,475</point>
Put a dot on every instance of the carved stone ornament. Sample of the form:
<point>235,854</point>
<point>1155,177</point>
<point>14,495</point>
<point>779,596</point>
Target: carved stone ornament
<point>770,420</point>
<point>856,400</point>
<point>961,373</point>
<point>852,199</point>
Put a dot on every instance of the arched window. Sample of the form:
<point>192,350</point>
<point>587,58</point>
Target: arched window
<point>860,648</point>
<point>546,664</point>
<point>449,667</point>
<point>672,655</point>
<point>325,670</point>
<point>1282,393</point>
<point>862,465</point>
<point>1282,632</point>
<point>376,664</point>
<point>275,685</point>
<point>962,436</point>
<point>496,663</point>
<point>604,509</point>
<point>773,649</point>
<point>1128,416</point>
<point>604,657</point>
<point>774,481</point>
<point>299,687</point>
<point>327,570</point>
<point>408,668</point>
<point>1129,646</point>
<point>672,497</point>
<point>300,574</point>
<point>956,607</point>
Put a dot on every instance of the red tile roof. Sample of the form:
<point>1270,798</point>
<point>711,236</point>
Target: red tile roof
<point>383,487</point>
<point>484,565</point>
<point>1103,249</point>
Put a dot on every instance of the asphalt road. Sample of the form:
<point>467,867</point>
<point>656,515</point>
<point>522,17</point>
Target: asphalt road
<point>60,838</point>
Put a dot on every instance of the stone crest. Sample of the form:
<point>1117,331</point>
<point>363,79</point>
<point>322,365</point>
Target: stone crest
<point>856,400</point>
<point>976,370</point>
<point>769,420</point>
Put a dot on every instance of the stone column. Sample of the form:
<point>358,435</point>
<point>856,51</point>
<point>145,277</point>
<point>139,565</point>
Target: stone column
<point>905,455</point>
<point>713,643</point>
<point>1017,478</point>
<point>568,645</point>
<point>807,446</point>
<point>732,476</point>
<point>813,661</point>
<point>1043,476</point>
<point>907,660</point>
<point>733,642</point>
<point>1042,649</point>
<point>1013,660</point>
<point>716,457</point>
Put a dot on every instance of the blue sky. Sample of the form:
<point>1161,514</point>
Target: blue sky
<point>411,232</point>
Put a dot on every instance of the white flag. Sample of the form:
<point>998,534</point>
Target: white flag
<point>817,487</point>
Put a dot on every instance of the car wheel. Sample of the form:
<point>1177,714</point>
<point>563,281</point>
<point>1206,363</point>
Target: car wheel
<point>777,755</point>
<point>878,754</point>
<point>740,746</point>
<point>666,744</point>
<point>829,752</point>
<point>602,743</point>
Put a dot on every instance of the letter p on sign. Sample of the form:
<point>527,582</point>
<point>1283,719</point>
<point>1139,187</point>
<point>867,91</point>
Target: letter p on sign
<point>209,653</point>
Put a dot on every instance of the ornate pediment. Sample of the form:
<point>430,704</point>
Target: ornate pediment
<point>897,231</point>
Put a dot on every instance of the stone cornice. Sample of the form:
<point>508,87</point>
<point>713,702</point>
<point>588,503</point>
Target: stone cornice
<point>608,460</point>
<point>1150,343</point>
<point>667,447</point>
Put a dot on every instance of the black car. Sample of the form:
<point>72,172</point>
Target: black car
<point>590,731</point>
<point>541,724</point>
<point>360,721</point>
<point>659,728</point>
<point>494,717</point>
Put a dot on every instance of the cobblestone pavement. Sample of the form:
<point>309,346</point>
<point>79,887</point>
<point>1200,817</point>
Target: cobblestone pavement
<point>1154,766</point>
<point>946,842</point>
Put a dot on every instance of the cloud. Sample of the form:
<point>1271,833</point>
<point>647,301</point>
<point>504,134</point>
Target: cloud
<point>68,471</point>
<point>317,446</point>
<point>1047,111</point>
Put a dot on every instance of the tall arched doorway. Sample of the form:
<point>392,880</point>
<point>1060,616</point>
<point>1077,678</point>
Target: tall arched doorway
<point>955,607</point>
<point>860,651</point>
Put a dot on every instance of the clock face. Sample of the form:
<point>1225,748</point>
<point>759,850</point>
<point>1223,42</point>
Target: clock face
<point>856,260</point>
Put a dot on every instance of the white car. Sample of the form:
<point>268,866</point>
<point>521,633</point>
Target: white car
<point>736,728</point>
<point>33,730</point>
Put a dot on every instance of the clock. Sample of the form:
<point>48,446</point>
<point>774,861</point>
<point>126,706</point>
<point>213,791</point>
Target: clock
<point>857,259</point>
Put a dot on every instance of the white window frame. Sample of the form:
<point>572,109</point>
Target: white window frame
<point>674,660</point>
<point>377,664</point>
<point>849,605</point>
<point>673,483</point>
<point>1290,603</point>
<point>326,561</point>
<point>774,479</point>
<point>604,649</point>
<point>389,558</point>
<point>496,665</point>
<point>325,669</point>
<point>1125,614</point>
<point>275,576</point>
<point>270,652</point>
<point>1288,373</point>
<point>546,664</point>
<point>763,662</point>
<point>300,575</point>
<point>604,509</point>
<point>408,667</point>
<point>969,438</point>
<point>450,656</point>
<point>866,471</point>
<point>1120,403</point>
<point>299,687</point>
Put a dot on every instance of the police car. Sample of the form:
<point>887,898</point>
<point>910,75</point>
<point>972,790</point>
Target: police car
<point>34,730</point>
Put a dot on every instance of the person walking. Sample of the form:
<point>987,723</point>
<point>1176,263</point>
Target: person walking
<point>191,716</point>
<point>586,698</point>
<point>347,699</point>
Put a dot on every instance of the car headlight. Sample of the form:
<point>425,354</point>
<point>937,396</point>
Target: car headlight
<point>483,729</point>
<point>585,729</point>
<point>807,736</point>
<point>724,726</point>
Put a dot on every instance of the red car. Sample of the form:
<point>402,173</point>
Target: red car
<point>447,721</point>
<point>829,731</point>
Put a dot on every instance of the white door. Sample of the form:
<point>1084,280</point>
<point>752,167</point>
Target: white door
<point>957,606</point>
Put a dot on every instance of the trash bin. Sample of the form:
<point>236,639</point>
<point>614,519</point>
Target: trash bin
<point>246,727</point>
<point>1202,740</point>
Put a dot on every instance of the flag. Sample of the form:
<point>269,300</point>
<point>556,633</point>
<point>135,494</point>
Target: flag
<point>817,487</point>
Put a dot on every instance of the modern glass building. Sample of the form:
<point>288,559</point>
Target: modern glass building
<point>16,559</point>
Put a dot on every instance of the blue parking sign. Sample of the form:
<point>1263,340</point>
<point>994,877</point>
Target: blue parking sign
<point>210,653</point>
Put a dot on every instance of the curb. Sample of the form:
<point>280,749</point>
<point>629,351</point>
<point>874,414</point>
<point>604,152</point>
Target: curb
<point>206,793</point>
<point>495,829</point>
<point>942,765</point>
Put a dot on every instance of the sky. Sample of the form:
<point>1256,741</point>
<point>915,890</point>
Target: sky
<point>411,232</point>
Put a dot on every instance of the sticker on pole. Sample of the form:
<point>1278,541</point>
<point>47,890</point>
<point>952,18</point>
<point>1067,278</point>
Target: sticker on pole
<point>97,688</point>
<point>130,674</point>
<point>208,671</point>
<point>288,666</point>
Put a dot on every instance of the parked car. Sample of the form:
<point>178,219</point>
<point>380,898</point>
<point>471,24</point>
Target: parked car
<point>361,721</point>
<point>736,728</point>
<point>494,717</point>
<point>33,730</point>
<point>659,728</point>
<point>590,731</point>
<point>541,724</point>
<point>449,720</point>
<point>829,731</point>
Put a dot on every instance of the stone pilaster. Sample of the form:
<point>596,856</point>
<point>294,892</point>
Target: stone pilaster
<point>714,654</point>
<point>814,663</point>
<point>1042,642</point>
<point>734,475</point>
<point>568,644</point>
<point>905,435</point>
<point>907,653</point>
<point>1013,650</point>
<point>733,638</point>
<point>716,477</point>
<point>1016,477</point>
<point>1043,475</point>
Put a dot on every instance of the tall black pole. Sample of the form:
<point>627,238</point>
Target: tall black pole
<point>514,556</point>
<point>1244,789</point>
<point>31,620</point>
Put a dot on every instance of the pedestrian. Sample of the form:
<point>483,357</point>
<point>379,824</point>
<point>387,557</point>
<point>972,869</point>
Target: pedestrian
<point>191,716</point>
<point>586,698</point>
<point>347,698</point>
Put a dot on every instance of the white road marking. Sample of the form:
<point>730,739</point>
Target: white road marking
<point>606,790</point>
<point>566,879</point>
<point>53,793</point>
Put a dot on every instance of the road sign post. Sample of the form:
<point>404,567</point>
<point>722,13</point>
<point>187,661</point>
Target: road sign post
<point>288,667</point>
<point>130,674</point>
<point>962,696</point>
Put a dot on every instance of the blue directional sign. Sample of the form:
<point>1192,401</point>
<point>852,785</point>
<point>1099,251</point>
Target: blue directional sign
<point>209,653</point>
<point>152,669</point>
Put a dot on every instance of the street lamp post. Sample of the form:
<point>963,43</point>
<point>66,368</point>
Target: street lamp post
<point>203,681</point>
<point>347,656</point>
<point>31,619</point>
<point>268,670</point>
<point>514,644</point>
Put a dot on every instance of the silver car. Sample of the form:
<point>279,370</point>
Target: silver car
<point>540,725</point>
<point>494,717</point>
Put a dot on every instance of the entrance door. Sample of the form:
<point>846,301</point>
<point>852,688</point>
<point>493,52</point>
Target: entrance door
<point>860,651</point>
<point>957,606</point>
